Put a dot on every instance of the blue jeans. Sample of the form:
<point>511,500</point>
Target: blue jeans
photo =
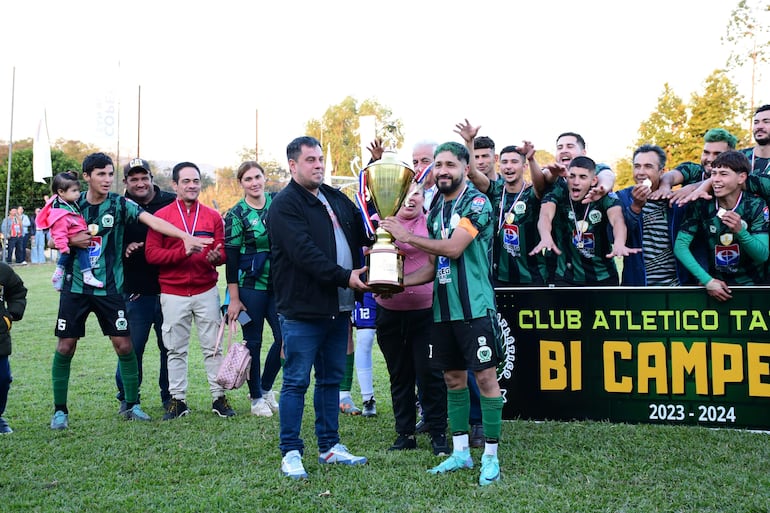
<point>142,313</point>
<point>306,344</point>
<point>38,249</point>
<point>5,382</point>
<point>260,305</point>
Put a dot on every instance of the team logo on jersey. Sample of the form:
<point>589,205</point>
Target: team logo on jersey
<point>519,207</point>
<point>571,215</point>
<point>478,203</point>
<point>712,229</point>
<point>108,220</point>
<point>595,216</point>
<point>95,250</point>
<point>511,242</point>
<point>484,352</point>
<point>726,258</point>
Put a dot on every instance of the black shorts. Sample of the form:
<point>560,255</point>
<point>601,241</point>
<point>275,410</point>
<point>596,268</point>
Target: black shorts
<point>110,310</point>
<point>473,345</point>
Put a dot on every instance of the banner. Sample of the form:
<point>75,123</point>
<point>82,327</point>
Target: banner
<point>41,152</point>
<point>641,355</point>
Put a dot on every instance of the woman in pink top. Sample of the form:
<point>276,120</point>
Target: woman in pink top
<point>404,323</point>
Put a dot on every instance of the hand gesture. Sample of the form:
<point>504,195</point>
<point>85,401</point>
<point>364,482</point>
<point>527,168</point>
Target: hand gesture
<point>622,251</point>
<point>732,221</point>
<point>528,149</point>
<point>376,149</point>
<point>394,227</point>
<point>466,131</point>
<point>545,246</point>
<point>214,256</point>
<point>132,247</point>
<point>195,244</point>
<point>719,290</point>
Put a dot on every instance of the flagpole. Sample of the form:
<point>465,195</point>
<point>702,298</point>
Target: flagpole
<point>10,146</point>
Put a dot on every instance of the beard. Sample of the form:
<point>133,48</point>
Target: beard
<point>762,140</point>
<point>449,188</point>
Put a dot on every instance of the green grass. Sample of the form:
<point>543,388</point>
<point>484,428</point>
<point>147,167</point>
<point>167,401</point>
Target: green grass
<point>202,463</point>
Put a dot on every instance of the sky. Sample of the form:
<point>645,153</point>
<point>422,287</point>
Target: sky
<point>521,70</point>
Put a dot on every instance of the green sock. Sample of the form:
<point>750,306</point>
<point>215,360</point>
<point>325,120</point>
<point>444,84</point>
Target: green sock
<point>458,404</point>
<point>347,381</point>
<point>60,378</point>
<point>492,416</point>
<point>129,371</point>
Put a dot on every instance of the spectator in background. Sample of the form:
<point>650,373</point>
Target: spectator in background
<point>26,225</point>
<point>39,241</point>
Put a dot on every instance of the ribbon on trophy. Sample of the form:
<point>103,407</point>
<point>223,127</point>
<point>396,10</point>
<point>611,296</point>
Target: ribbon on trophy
<point>362,204</point>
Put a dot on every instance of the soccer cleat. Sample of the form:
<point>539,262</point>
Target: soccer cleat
<point>457,461</point>
<point>490,470</point>
<point>439,443</point>
<point>260,408</point>
<point>370,408</point>
<point>339,454</point>
<point>221,407</point>
<point>269,398</point>
<point>135,413</point>
<point>291,465</point>
<point>404,443</point>
<point>348,408</point>
<point>123,407</point>
<point>5,429</point>
<point>57,279</point>
<point>60,420</point>
<point>476,439</point>
<point>176,408</point>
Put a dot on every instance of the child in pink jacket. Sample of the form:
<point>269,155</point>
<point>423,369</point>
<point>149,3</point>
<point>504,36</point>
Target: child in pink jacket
<point>62,215</point>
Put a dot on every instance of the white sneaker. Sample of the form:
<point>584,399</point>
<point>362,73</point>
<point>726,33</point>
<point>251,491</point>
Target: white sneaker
<point>340,454</point>
<point>269,398</point>
<point>260,408</point>
<point>291,465</point>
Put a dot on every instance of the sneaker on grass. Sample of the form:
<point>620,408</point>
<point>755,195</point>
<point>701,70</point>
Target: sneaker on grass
<point>340,454</point>
<point>458,460</point>
<point>135,413</point>
<point>60,420</point>
<point>490,470</point>
<point>291,465</point>
<point>176,408</point>
<point>5,429</point>
<point>269,398</point>
<point>221,407</point>
<point>260,408</point>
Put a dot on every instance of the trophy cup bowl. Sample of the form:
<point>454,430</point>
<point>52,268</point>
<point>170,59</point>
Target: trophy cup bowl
<point>388,181</point>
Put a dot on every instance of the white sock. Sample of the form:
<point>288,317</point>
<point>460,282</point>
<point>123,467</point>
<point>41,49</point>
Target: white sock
<point>460,442</point>
<point>344,394</point>
<point>490,449</point>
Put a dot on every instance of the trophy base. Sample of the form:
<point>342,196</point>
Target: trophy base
<point>385,269</point>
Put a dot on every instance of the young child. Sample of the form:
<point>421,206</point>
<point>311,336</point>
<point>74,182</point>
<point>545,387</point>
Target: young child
<point>62,215</point>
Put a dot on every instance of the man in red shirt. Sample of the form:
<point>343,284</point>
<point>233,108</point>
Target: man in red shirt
<point>188,288</point>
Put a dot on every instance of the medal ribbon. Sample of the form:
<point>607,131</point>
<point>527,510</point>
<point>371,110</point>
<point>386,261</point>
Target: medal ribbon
<point>452,212</point>
<point>502,204</point>
<point>578,231</point>
<point>184,220</point>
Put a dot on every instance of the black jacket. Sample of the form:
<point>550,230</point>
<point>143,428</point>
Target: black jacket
<point>141,277</point>
<point>12,304</point>
<point>304,256</point>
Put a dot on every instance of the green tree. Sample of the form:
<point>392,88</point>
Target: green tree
<point>24,190</point>
<point>624,173</point>
<point>748,33</point>
<point>666,125</point>
<point>719,106</point>
<point>339,126</point>
<point>678,128</point>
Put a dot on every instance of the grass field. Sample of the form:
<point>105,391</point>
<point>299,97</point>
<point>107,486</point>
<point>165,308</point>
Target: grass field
<point>201,463</point>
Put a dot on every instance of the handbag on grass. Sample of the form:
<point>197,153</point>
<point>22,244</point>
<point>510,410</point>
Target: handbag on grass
<point>237,361</point>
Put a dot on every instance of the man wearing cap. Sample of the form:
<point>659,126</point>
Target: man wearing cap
<point>141,289</point>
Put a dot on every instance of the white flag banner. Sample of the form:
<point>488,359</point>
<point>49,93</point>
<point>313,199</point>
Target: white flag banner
<point>41,152</point>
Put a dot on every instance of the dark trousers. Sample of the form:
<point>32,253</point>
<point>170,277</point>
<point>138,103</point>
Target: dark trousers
<point>15,246</point>
<point>143,313</point>
<point>404,338</point>
<point>5,382</point>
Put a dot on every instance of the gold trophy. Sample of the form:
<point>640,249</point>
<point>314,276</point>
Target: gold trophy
<point>387,180</point>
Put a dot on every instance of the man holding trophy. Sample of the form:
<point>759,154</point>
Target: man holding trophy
<point>465,333</point>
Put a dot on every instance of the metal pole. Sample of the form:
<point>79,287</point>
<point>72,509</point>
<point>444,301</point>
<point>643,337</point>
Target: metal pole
<point>10,147</point>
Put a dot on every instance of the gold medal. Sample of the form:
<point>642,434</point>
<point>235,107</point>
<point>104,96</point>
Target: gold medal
<point>726,238</point>
<point>582,226</point>
<point>509,218</point>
